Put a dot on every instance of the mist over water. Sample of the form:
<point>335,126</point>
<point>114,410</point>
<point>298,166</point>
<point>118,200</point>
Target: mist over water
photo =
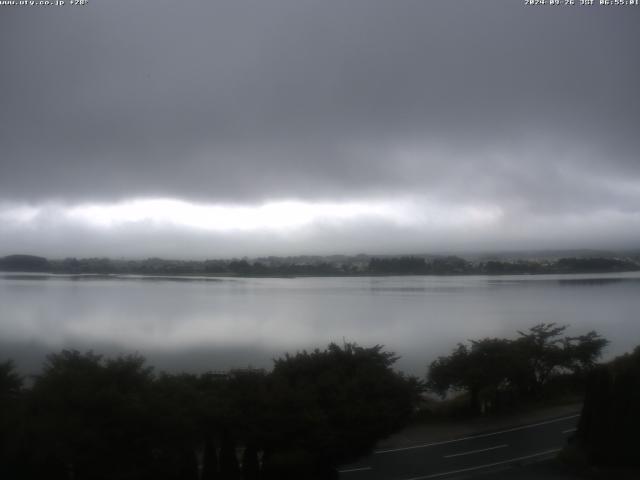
<point>218,324</point>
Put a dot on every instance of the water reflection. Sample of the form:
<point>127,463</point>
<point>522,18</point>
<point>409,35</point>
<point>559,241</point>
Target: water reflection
<point>226,322</point>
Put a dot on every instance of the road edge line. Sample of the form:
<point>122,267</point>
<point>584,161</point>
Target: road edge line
<point>472,437</point>
<point>488,465</point>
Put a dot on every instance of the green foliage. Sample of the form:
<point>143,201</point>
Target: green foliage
<point>334,265</point>
<point>10,417</point>
<point>90,417</point>
<point>338,402</point>
<point>24,263</point>
<point>610,420</point>
<point>419,266</point>
<point>494,369</point>
<point>590,265</point>
<point>399,265</point>
<point>10,381</point>
<point>481,369</point>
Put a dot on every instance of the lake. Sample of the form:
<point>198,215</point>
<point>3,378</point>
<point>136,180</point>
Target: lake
<point>205,323</point>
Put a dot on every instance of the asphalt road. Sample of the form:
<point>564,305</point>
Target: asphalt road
<point>465,456</point>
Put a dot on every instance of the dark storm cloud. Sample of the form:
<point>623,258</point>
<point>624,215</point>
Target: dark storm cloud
<point>534,110</point>
<point>247,100</point>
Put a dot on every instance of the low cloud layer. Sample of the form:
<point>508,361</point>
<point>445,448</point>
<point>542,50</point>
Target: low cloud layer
<point>422,109</point>
<point>164,227</point>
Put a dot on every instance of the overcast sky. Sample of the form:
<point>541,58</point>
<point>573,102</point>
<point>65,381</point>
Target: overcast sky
<point>220,128</point>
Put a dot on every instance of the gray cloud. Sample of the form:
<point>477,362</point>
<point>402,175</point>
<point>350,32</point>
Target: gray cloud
<point>535,110</point>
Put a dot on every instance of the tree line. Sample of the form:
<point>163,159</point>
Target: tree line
<point>90,417</point>
<point>316,266</point>
<point>499,372</point>
<point>85,416</point>
<point>495,373</point>
<point>607,434</point>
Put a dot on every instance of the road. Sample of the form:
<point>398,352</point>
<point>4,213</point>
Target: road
<point>467,455</point>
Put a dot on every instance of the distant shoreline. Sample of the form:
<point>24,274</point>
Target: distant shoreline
<point>318,266</point>
<point>222,276</point>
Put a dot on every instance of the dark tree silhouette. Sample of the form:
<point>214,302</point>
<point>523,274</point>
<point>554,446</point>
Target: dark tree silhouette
<point>24,263</point>
<point>481,370</point>
<point>610,419</point>
<point>89,417</point>
<point>10,419</point>
<point>334,405</point>
<point>250,463</point>
<point>491,367</point>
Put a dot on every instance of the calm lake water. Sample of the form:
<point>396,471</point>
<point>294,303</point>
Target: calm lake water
<point>216,324</point>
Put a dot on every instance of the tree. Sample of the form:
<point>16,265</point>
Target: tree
<point>90,417</point>
<point>331,406</point>
<point>10,382</point>
<point>24,263</point>
<point>542,352</point>
<point>610,419</point>
<point>229,467</point>
<point>539,352</point>
<point>481,370</point>
<point>250,463</point>
<point>582,352</point>
<point>181,429</point>
<point>520,367</point>
<point>10,418</point>
<point>399,265</point>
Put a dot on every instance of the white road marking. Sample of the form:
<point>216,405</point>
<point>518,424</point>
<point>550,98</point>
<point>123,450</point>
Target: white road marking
<point>570,430</point>
<point>472,437</point>
<point>475,451</point>
<point>359,469</point>
<point>488,465</point>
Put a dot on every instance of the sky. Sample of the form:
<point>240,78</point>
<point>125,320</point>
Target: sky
<point>204,129</point>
